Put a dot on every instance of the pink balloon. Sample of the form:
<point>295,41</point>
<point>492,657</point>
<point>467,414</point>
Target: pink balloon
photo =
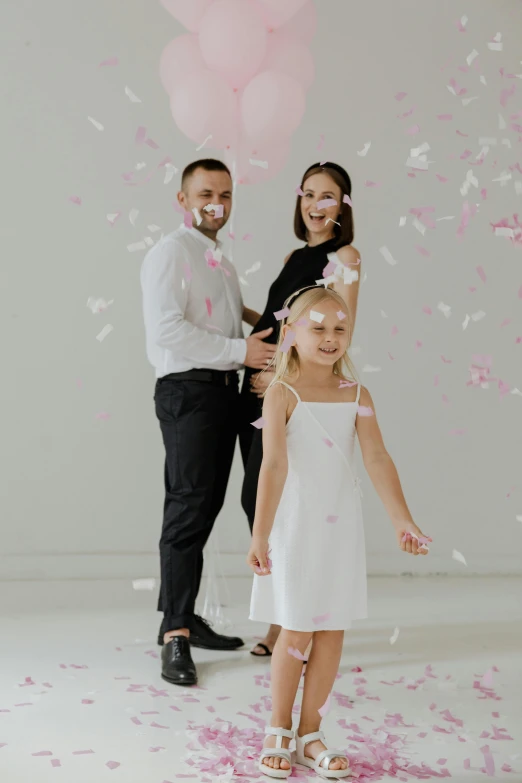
<point>180,57</point>
<point>232,38</point>
<point>286,54</point>
<point>188,12</point>
<point>277,12</point>
<point>272,106</point>
<point>303,25</point>
<point>247,173</point>
<point>203,104</point>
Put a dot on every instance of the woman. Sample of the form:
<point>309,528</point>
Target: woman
<point>326,230</point>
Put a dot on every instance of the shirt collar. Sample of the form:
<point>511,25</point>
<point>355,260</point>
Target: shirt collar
<point>201,237</point>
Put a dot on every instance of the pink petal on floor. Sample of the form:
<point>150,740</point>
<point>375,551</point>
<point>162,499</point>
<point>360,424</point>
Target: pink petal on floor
<point>280,314</point>
<point>364,410</point>
<point>442,762</point>
<point>258,423</point>
<point>325,709</point>
<point>113,764</point>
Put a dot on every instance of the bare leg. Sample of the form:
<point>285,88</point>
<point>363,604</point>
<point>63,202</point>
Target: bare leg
<point>270,640</point>
<point>171,634</point>
<point>322,668</point>
<point>285,676</point>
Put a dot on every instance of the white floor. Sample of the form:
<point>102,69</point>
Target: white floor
<point>81,688</point>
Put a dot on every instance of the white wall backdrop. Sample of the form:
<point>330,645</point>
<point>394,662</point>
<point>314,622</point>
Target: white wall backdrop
<point>82,459</point>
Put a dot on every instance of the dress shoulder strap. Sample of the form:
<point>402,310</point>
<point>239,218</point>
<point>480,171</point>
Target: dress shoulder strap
<point>358,393</point>
<point>291,389</point>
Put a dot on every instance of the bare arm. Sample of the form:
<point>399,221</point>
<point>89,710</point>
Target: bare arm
<point>349,257</point>
<point>383,474</point>
<point>250,317</point>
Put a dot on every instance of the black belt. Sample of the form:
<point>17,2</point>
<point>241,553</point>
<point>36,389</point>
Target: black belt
<point>215,377</point>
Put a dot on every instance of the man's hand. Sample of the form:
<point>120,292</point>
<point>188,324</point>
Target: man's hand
<point>260,382</point>
<point>259,354</point>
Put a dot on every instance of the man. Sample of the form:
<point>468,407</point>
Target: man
<point>193,313</point>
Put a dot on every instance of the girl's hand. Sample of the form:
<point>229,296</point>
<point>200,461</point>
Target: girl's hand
<point>257,557</point>
<point>260,382</point>
<point>411,539</point>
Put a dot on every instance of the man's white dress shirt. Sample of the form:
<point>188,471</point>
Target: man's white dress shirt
<point>193,311</point>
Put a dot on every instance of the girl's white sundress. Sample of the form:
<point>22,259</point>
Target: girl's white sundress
<point>316,547</point>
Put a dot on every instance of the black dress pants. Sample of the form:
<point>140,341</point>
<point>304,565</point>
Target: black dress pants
<point>198,422</point>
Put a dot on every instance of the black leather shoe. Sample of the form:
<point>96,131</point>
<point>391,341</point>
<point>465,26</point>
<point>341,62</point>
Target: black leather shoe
<point>202,635</point>
<point>177,665</point>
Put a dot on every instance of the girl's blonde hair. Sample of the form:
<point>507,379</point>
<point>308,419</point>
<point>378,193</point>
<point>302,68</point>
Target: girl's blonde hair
<point>300,305</point>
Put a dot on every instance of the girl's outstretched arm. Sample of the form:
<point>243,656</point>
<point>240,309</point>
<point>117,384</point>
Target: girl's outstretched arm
<point>351,258</point>
<point>383,474</point>
<point>272,476</point>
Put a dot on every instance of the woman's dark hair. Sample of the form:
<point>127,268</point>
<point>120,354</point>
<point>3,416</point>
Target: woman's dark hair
<point>345,232</point>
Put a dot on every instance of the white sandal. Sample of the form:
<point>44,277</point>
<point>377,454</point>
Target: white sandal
<point>322,762</point>
<point>277,752</point>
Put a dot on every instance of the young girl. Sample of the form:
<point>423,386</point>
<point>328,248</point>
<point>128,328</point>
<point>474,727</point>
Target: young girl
<point>307,547</point>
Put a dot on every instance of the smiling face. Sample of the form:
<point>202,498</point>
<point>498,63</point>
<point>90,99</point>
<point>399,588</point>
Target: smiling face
<point>317,188</point>
<point>203,188</point>
<point>321,343</point>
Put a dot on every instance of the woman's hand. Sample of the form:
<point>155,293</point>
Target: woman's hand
<point>411,539</point>
<point>257,557</point>
<point>260,382</point>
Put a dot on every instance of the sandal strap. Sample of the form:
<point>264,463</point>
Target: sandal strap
<point>280,753</point>
<point>279,733</point>
<point>314,735</point>
<point>328,756</point>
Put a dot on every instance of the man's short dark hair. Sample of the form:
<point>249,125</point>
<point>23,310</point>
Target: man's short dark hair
<point>207,164</point>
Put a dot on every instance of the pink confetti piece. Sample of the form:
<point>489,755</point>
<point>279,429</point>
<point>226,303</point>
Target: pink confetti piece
<point>488,760</point>
<point>301,322</point>
<point>258,423</point>
<point>281,314</point>
<point>247,237</point>
<point>413,130</point>
<point>321,142</point>
<point>347,384</point>
<point>288,341</point>
<point>87,701</point>
<point>82,752</point>
<point>152,144</point>
<point>487,679</point>
<point>296,654</point>
<point>75,200</point>
<point>325,709</point>
<point>328,442</point>
<point>444,117</point>
<point>423,251</point>
<point>394,330</point>
<point>56,763</point>
<point>427,310</point>
<point>399,96</point>
<point>325,203</point>
<point>340,315</point>
<point>188,219</point>
<point>321,618</point>
<point>347,200</point>
<point>362,410</point>
<point>155,725</point>
<point>209,306</point>
<point>299,190</point>
<point>43,753</point>
<point>141,135</point>
<point>332,518</point>
<point>110,62</point>
<point>113,764</point>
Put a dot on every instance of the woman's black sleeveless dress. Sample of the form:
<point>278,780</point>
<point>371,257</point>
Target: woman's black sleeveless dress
<point>303,268</point>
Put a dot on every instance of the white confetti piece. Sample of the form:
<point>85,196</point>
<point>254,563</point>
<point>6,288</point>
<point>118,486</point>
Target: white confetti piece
<point>259,423</point>
<point>96,124</point>
<point>170,170</point>
<point>148,241</point>
<point>199,219</point>
<point>133,214</point>
<point>112,217</point>
<point>203,143</point>
<point>478,316</point>
<point>254,268</point>
<point>140,166</point>
<point>365,149</point>
<point>459,557</point>
<point>504,231</point>
<point>325,709</point>
<point>370,368</point>
<point>262,164</point>
<point>387,255</point>
<point>153,227</point>
<point>471,56</point>
<point>98,305</point>
<point>395,636</point>
<point>421,228</point>
<point>136,246</point>
<point>519,517</point>
<point>104,332</point>
<point>132,97</point>
<point>466,322</point>
<point>444,308</point>
<point>143,584</point>
<point>315,316</point>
